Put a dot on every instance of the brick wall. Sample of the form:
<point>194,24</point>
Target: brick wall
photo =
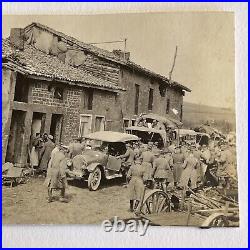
<point>104,104</point>
<point>71,104</point>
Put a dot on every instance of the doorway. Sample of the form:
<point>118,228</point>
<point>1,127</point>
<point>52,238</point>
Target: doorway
<point>56,127</point>
<point>85,124</point>
<point>16,137</point>
<point>38,123</point>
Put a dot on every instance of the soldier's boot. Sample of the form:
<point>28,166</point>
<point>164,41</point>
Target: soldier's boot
<point>50,199</point>
<point>62,198</point>
<point>131,207</point>
<point>136,207</point>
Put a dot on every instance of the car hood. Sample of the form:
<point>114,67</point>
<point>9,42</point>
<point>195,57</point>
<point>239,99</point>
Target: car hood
<point>91,156</point>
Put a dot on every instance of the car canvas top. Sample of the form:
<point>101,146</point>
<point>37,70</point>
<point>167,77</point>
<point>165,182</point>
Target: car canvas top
<point>145,129</point>
<point>111,136</point>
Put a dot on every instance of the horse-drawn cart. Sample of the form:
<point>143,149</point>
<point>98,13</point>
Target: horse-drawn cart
<point>184,207</point>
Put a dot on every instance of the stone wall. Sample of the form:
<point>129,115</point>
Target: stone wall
<point>8,86</point>
<point>128,81</point>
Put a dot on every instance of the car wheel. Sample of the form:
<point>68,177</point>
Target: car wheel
<point>94,179</point>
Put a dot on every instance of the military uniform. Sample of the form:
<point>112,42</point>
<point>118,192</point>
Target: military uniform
<point>136,186</point>
<point>190,172</point>
<point>53,178</point>
<point>75,148</point>
<point>171,148</point>
<point>162,169</point>
<point>224,161</point>
<point>46,154</point>
<point>155,150</point>
<point>184,151</point>
<point>129,157</point>
<point>178,160</point>
<point>137,151</point>
<point>232,166</point>
<point>147,163</point>
<point>197,155</point>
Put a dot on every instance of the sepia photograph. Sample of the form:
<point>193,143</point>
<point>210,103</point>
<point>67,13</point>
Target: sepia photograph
<point>120,120</point>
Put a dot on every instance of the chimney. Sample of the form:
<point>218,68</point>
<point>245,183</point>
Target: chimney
<point>121,54</point>
<point>17,38</point>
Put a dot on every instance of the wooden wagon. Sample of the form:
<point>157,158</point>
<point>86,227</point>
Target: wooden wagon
<point>176,208</point>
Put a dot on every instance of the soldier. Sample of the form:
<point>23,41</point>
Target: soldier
<point>205,159</point>
<point>224,164</point>
<point>178,160</point>
<point>128,159</point>
<point>147,163</point>
<point>205,154</point>
<point>162,170</point>
<point>190,171</point>
<point>56,174</point>
<point>197,155</point>
<point>232,168</point>
<point>172,147</point>
<point>137,148</point>
<point>155,149</point>
<point>34,152</point>
<point>136,187</point>
<point>45,153</point>
<point>185,150</point>
<point>142,123</point>
<point>76,147</point>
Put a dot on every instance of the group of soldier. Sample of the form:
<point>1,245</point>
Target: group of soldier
<point>40,148</point>
<point>145,165</point>
<point>177,167</point>
<point>50,159</point>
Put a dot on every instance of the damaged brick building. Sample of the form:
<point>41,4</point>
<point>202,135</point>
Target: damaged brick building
<point>56,84</point>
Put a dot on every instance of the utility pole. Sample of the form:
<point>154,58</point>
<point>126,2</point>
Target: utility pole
<point>125,48</point>
<point>172,69</point>
<point>170,76</point>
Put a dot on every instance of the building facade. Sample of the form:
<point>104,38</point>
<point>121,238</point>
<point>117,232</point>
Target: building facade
<point>56,84</point>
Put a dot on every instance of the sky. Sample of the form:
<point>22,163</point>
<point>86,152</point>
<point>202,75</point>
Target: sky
<point>205,40</point>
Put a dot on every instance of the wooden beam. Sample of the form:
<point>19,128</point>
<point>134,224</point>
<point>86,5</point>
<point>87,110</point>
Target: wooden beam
<point>41,108</point>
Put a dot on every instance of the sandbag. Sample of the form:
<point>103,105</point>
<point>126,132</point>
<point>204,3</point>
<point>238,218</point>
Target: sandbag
<point>62,56</point>
<point>70,57</point>
<point>62,46</point>
<point>54,47</point>
<point>79,58</point>
<point>44,42</point>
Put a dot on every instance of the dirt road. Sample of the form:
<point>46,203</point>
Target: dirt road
<point>26,204</point>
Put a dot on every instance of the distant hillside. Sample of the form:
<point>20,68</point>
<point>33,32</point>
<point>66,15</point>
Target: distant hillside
<point>195,114</point>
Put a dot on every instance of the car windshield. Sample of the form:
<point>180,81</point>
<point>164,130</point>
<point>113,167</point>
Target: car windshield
<point>112,148</point>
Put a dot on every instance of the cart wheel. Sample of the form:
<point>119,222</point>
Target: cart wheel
<point>94,179</point>
<point>216,220</point>
<point>155,202</point>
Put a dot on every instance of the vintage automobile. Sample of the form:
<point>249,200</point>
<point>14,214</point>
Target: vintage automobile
<point>187,136</point>
<point>100,161</point>
<point>149,135</point>
<point>164,122</point>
